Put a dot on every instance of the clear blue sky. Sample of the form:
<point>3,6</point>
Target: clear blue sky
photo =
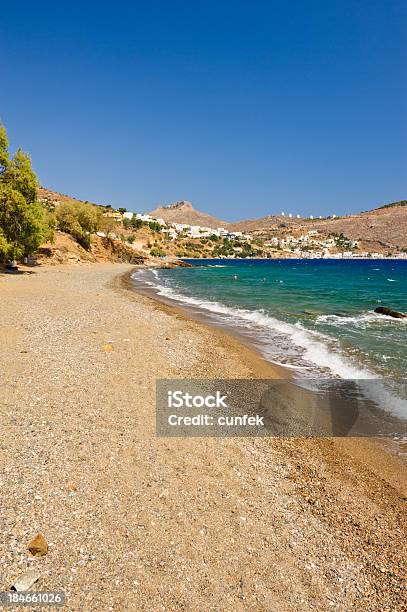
<point>245,108</point>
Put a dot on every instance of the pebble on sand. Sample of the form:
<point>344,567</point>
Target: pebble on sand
<point>25,581</point>
<point>38,547</point>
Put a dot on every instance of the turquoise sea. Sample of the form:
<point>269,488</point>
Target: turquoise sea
<point>315,317</point>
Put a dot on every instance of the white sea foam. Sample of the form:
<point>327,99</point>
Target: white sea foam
<point>332,319</point>
<point>315,349</point>
<point>360,320</point>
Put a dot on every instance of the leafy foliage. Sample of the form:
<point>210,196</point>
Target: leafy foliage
<point>342,242</point>
<point>24,222</point>
<point>133,223</point>
<point>154,226</point>
<point>79,220</point>
<point>156,252</point>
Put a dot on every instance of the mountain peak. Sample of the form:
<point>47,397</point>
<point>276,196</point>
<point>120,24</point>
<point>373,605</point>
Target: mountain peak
<point>183,212</point>
<point>181,204</point>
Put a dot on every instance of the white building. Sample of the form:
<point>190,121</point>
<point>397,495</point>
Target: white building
<point>222,231</point>
<point>172,233</point>
<point>142,217</point>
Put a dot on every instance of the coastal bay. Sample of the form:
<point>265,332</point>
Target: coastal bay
<point>138,522</point>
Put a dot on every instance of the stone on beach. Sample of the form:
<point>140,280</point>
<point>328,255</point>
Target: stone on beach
<point>38,547</point>
<point>389,312</point>
<point>26,580</point>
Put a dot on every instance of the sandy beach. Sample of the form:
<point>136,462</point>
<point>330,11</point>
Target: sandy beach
<point>135,522</point>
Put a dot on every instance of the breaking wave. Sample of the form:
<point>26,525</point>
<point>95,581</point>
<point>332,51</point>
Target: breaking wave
<point>360,320</point>
<point>317,348</point>
<point>311,351</point>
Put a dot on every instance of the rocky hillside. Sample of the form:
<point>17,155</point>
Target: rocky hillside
<point>53,198</point>
<point>184,212</point>
<point>64,249</point>
<point>382,228</point>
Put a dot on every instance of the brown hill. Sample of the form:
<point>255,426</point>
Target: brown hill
<point>381,229</point>
<point>184,212</point>
<point>384,227</point>
<point>54,198</point>
<point>65,249</point>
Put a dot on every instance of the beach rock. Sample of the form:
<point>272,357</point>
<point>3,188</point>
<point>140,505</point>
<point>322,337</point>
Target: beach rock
<point>26,580</point>
<point>38,547</point>
<point>389,312</point>
<point>177,263</point>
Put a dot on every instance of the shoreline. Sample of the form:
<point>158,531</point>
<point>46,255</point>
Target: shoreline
<point>258,365</point>
<point>140,522</point>
<point>365,449</point>
<point>392,458</point>
<point>265,368</point>
<point>309,341</point>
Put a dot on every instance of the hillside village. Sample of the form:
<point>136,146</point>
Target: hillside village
<point>289,236</point>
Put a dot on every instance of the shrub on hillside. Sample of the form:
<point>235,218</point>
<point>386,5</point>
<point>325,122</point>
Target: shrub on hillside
<point>155,252</point>
<point>79,220</point>
<point>154,226</point>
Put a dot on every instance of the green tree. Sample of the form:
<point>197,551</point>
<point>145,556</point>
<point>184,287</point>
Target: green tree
<point>3,148</point>
<point>24,222</point>
<point>79,220</point>
<point>136,223</point>
<point>154,226</point>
